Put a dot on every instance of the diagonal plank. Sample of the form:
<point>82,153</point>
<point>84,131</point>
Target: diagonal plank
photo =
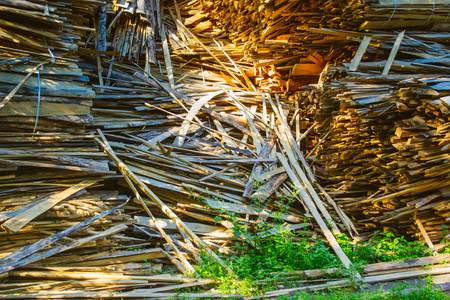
<point>16,223</point>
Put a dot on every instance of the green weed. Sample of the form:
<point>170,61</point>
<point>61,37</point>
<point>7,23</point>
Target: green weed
<point>383,246</point>
<point>259,268</point>
<point>264,257</point>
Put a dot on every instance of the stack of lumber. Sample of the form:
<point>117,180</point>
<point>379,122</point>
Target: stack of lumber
<point>316,103</point>
<point>288,42</point>
<point>135,25</point>
<point>384,155</point>
<point>50,97</point>
<point>385,14</point>
<point>67,228</point>
<point>256,22</point>
<point>41,86</point>
<point>277,37</point>
<point>37,26</point>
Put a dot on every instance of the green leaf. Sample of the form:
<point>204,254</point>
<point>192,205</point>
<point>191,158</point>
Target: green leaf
<point>217,219</point>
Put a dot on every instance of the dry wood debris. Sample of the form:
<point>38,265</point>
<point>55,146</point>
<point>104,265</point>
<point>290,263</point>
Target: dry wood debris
<point>129,129</point>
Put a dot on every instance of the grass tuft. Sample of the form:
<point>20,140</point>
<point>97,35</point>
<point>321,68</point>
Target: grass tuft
<point>265,260</point>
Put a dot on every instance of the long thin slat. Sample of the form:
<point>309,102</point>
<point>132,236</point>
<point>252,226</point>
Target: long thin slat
<point>77,243</point>
<point>186,264</point>
<point>16,223</point>
<point>359,53</point>
<point>41,244</point>
<point>179,140</point>
<point>19,85</point>
<point>126,171</point>
<point>393,53</point>
<point>311,206</point>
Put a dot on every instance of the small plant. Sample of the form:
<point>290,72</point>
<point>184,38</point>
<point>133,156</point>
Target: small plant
<point>268,251</point>
<point>383,246</point>
<point>135,249</point>
<point>260,268</point>
<point>358,253</point>
<point>426,267</point>
<point>444,241</point>
<point>391,248</point>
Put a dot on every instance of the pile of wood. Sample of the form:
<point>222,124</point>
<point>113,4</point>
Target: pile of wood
<point>39,26</point>
<point>44,97</point>
<point>384,150</point>
<point>129,156</point>
<point>41,86</point>
<point>69,231</point>
<point>135,25</point>
<point>279,39</point>
<point>218,156</point>
<point>256,22</point>
<point>289,42</point>
<point>384,14</point>
<point>315,104</point>
<point>185,183</point>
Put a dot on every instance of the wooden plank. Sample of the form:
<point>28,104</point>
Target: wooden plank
<point>167,60</point>
<point>19,85</point>
<point>128,295</point>
<point>312,208</point>
<point>94,275</point>
<point>408,263</point>
<point>405,275</point>
<point>393,53</point>
<point>46,109</point>
<point>41,255</point>
<point>199,228</point>
<point>307,70</point>
<point>14,224</point>
<point>48,86</point>
<point>41,244</point>
<point>122,258</point>
<point>425,236</point>
<point>123,168</point>
<point>359,53</point>
<point>179,140</point>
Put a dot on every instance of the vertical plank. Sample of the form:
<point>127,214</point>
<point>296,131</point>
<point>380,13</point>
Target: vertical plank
<point>393,53</point>
<point>359,54</point>
<point>167,60</point>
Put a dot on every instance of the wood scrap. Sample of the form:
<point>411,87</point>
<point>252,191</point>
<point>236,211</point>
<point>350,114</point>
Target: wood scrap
<point>175,95</point>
